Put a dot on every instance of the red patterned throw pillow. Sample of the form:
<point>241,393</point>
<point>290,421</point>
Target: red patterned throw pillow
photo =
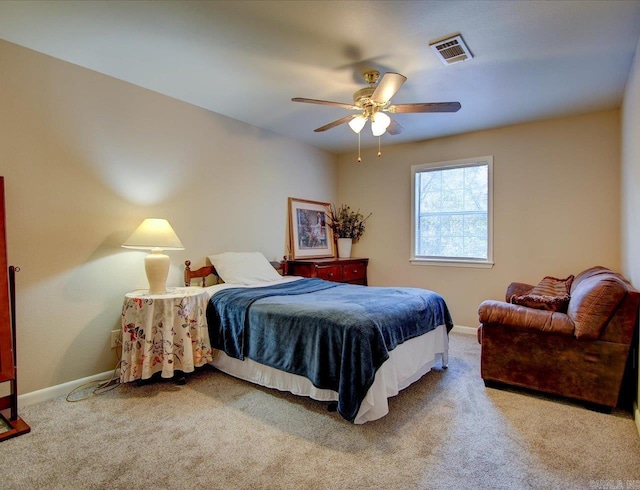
<point>550,294</point>
<point>552,286</point>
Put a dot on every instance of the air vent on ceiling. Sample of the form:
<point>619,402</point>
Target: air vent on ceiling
<point>451,50</point>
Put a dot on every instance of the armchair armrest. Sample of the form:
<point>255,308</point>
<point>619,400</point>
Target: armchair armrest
<point>517,288</point>
<point>523,318</point>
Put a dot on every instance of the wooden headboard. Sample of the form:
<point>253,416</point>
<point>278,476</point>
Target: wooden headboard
<point>205,271</point>
<point>202,272</point>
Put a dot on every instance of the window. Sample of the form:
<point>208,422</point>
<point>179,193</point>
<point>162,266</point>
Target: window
<point>452,213</point>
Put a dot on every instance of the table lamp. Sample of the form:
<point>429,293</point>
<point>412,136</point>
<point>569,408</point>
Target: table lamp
<point>156,235</point>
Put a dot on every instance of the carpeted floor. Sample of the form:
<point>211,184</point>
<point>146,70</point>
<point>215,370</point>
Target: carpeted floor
<point>446,431</point>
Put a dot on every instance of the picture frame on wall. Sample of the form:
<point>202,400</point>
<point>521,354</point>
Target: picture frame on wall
<point>309,233</point>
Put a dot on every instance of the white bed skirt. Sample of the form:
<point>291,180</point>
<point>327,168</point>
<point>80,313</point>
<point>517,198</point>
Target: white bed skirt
<point>407,363</point>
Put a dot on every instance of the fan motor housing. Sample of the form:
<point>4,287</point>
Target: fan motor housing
<point>363,96</point>
<point>362,100</point>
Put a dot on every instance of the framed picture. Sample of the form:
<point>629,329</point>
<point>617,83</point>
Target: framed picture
<point>309,234</point>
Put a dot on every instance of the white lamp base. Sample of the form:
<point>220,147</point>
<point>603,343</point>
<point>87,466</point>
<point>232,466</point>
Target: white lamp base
<point>156,265</point>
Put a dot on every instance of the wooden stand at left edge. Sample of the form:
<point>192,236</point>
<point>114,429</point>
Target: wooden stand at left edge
<point>13,425</point>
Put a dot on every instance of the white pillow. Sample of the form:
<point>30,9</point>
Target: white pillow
<point>246,268</point>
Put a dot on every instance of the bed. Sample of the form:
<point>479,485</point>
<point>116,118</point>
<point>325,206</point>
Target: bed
<point>354,346</point>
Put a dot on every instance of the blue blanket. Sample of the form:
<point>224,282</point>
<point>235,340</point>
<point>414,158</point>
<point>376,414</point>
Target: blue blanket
<point>336,335</point>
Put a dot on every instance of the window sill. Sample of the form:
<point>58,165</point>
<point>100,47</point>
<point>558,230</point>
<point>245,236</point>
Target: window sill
<point>453,263</point>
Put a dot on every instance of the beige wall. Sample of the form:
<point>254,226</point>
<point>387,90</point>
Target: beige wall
<point>86,158</point>
<point>556,205</point>
<point>631,180</point>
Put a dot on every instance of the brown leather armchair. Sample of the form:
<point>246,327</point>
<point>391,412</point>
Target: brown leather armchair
<point>579,354</point>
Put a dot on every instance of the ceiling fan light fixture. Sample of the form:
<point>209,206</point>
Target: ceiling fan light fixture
<point>379,123</point>
<point>369,102</point>
<point>357,123</point>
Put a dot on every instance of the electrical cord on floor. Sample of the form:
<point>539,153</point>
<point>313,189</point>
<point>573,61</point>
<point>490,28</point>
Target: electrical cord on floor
<point>104,385</point>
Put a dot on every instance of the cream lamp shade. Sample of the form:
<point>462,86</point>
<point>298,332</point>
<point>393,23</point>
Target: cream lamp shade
<point>155,234</point>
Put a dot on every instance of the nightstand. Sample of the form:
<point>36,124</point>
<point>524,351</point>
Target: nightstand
<point>164,333</point>
<point>351,270</point>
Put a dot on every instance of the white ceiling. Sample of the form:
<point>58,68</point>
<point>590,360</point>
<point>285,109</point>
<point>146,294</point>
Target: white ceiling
<point>247,59</point>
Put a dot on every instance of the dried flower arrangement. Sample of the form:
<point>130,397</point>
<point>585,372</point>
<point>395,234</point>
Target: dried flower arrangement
<point>346,223</point>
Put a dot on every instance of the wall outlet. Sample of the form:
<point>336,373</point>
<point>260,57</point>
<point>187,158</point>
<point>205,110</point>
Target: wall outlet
<point>116,338</point>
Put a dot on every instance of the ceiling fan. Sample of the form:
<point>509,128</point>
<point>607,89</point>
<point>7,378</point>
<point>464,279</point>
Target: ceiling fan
<point>372,103</point>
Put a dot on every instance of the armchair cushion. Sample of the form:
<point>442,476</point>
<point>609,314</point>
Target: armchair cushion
<point>523,318</point>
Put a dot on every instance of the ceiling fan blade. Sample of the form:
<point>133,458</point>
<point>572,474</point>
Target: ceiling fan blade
<point>425,107</point>
<point>387,87</point>
<point>335,123</point>
<point>324,102</point>
<point>394,127</point>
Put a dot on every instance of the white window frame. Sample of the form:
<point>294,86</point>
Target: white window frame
<point>453,261</point>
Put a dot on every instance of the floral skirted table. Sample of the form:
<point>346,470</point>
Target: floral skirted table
<point>164,333</point>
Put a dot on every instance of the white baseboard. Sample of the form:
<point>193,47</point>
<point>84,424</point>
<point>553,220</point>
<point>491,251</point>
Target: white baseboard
<point>59,390</point>
<point>636,416</point>
<point>464,330</point>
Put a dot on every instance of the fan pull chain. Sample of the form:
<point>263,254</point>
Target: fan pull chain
<point>359,159</point>
<point>379,152</point>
